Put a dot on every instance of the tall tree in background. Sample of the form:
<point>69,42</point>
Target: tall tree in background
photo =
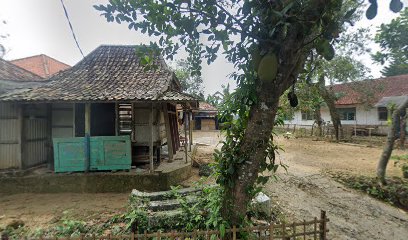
<point>343,68</point>
<point>267,41</point>
<point>393,40</point>
<point>191,84</point>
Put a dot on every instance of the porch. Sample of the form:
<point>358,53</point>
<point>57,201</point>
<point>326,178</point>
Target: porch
<point>43,180</point>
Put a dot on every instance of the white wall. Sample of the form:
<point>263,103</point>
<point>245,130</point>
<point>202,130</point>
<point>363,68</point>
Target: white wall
<point>363,117</point>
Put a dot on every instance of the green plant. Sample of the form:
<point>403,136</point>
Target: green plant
<point>70,228</point>
<point>402,162</point>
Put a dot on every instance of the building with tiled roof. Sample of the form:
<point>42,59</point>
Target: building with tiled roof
<point>361,104</point>
<point>356,92</point>
<point>205,117</point>
<point>109,96</point>
<point>13,77</point>
<point>41,65</point>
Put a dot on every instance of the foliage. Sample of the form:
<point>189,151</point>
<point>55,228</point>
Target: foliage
<point>393,40</point>
<point>395,192</point>
<point>203,212</point>
<point>218,98</point>
<point>70,228</point>
<point>191,84</point>
<point>402,162</point>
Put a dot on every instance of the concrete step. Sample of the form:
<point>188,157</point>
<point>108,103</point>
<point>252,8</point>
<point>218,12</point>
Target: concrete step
<point>163,218</point>
<point>163,195</point>
<point>169,204</point>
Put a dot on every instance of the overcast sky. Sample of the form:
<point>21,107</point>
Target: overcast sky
<point>40,27</point>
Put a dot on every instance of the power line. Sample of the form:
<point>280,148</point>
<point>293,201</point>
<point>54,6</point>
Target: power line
<point>72,29</point>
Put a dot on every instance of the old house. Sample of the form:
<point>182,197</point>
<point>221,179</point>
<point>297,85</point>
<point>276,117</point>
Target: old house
<point>105,113</point>
<point>205,117</point>
<point>362,105</point>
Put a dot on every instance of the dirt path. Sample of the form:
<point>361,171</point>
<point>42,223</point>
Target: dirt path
<point>45,210</point>
<point>305,190</point>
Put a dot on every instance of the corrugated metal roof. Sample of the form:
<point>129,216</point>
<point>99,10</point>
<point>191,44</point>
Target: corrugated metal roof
<point>109,73</point>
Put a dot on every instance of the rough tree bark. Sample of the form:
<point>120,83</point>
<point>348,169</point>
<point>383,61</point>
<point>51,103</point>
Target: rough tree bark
<point>330,100</point>
<point>319,120</point>
<point>389,145</point>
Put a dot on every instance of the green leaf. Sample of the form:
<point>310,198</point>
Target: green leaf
<point>246,8</point>
<point>222,230</point>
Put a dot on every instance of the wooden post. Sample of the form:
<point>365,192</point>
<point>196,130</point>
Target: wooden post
<point>190,131</point>
<point>315,229</point>
<point>185,134</point>
<point>87,135</point>
<point>168,132</point>
<point>234,233</point>
<point>20,134</point>
<point>283,230</point>
<point>49,137</point>
<point>322,225</point>
<point>116,119</point>
<point>151,138</point>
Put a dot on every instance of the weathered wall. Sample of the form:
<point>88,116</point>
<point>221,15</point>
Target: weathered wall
<point>142,129</point>
<point>62,120</point>
<point>10,135</point>
<point>35,135</point>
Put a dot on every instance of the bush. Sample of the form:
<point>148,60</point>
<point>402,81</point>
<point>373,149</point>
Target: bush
<point>395,192</point>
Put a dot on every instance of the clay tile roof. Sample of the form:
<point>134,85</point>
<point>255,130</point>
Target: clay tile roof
<point>109,73</point>
<point>11,72</point>
<point>353,93</point>
<point>206,107</point>
<point>41,65</point>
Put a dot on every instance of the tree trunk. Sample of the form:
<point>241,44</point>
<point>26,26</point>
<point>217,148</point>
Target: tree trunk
<point>319,121</point>
<point>386,154</point>
<point>403,122</point>
<point>330,100</point>
<point>292,55</point>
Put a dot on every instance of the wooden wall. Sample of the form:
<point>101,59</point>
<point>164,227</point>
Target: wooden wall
<point>35,138</point>
<point>62,120</point>
<point>10,135</point>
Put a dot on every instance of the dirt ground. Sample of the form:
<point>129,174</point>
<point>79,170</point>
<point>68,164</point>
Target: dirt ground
<point>301,193</point>
<point>305,190</point>
<point>45,210</point>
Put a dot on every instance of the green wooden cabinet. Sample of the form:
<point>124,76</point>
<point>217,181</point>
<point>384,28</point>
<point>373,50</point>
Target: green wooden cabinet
<point>106,153</point>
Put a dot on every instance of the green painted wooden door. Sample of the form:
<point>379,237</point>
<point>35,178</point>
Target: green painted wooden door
<point>106,153</point>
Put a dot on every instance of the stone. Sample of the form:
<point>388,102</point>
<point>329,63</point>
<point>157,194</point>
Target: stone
<point>262,204</point>
<point>205,170</point>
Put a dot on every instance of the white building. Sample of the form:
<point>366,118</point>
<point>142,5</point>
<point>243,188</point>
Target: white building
<point>361,104</point>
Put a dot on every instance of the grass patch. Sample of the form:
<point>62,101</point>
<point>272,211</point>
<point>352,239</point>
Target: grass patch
<point>395,192</point>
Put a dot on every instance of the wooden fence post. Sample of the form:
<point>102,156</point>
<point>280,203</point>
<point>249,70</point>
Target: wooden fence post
<point>322,225</point>
<point>234,233</point>
<point>283,231</point>
<point>271,231</point>
<point>315,228</point>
